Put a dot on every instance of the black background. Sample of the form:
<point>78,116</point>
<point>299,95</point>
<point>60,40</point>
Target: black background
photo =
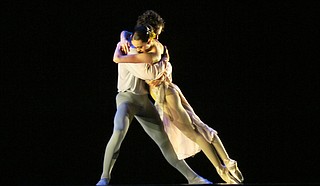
<point>248,68</point>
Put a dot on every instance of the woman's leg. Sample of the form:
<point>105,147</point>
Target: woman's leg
<point>150,121</point>
<point>183,122</point>
<point>229,163</point>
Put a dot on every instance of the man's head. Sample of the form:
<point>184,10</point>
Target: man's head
<point>153,19</point>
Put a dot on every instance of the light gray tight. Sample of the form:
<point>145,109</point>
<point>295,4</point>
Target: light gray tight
<point>139,106</point>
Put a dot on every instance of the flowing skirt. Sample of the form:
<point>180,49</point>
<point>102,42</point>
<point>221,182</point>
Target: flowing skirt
<point>183,146</point>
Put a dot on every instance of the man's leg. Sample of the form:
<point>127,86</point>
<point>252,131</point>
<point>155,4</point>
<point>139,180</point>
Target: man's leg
<point>122,120</point>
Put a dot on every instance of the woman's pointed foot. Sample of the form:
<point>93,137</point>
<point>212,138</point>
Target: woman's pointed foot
<point>234,170</point>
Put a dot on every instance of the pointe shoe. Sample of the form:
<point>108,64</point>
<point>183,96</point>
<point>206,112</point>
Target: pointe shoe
<point>200,180</point>
<point>234,170</point>
<point>103,181</point>
<point>227,177</point>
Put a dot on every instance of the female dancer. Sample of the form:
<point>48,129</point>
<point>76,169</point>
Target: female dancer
<point>187,133</point>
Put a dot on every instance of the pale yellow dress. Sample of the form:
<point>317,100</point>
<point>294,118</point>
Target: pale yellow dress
<point>183,146</point>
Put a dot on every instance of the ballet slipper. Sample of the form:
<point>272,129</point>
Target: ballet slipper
<point>234,170</point>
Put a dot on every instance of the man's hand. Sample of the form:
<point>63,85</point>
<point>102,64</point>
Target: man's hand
<point>165,56</point>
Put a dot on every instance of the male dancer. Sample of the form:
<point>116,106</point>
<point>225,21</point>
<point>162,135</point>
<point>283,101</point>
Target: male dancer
<point>133,101</point>
<point>195,135</point>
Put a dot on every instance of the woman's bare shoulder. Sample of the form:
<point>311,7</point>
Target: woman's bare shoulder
<point>160,47</point>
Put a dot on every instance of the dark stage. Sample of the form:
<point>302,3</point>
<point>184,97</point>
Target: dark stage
<point>242,184</point>
<point>249,69</point>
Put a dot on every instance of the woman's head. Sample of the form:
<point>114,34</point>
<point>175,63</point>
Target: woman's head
<point>142,37</point>
<point>153,19</point>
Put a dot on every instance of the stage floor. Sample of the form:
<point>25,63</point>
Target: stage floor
<point>242,184</point>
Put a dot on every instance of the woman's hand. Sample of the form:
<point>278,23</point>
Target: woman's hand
<point>124,39</point>
<point>124,47</point>
<point>118,52</point>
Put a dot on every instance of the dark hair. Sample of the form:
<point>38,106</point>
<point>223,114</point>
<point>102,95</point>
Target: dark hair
<point>142,33</point>
<point>151,18</point>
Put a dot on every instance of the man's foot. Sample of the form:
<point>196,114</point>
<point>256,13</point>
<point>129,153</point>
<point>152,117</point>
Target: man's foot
<point>199,180</point>
<point>234,170</point>
<point>103,181</point>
